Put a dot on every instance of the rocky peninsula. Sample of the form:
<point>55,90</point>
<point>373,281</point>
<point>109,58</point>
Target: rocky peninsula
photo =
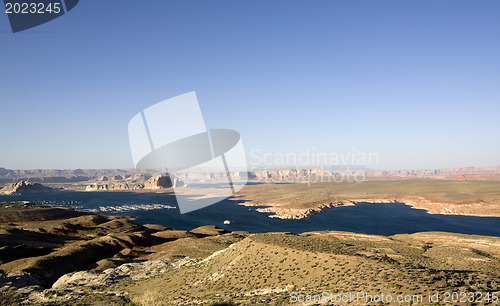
<point>25,187</point>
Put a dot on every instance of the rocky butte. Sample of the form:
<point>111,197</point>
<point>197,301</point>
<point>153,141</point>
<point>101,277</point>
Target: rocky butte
<point>25,187</point>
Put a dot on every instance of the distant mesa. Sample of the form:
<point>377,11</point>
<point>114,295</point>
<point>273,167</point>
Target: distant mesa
<point>25,187</point>
<point>68,176</point>
<point>163,181</point>
<point>153,183</point>
<point>140,177</point>
<point>107,187</point>
<point>96,187</point>
<point>286,174</point>
<point>5,172</point>
<point>155,180</point>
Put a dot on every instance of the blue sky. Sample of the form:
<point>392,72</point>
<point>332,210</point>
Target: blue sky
<point>416,82</point>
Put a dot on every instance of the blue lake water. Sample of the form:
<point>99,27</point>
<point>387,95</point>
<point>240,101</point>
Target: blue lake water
<point>367,218</point>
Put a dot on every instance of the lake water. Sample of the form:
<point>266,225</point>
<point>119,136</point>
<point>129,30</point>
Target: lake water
<point>367,218</point>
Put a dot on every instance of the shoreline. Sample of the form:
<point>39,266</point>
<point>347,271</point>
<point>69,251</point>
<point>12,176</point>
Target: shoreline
<point>296,201</point>
<point>281,211</point>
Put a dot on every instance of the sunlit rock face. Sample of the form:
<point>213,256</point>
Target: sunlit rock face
<point>25,187</point>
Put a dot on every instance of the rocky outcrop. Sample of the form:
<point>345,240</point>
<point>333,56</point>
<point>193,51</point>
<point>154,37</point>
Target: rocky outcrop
<point>105,178</point>
<point>153,183</point>
<point>134,271</point>
<point>96,187</point>
<point>74,285</point>
<point>287,174</point>
<point>73,176</point>
<point>107,187</point>
<point>299,213</point>
<point>140,178</point>
<point>25,187</point>
<point>120,186</point>
<point>158,182</point>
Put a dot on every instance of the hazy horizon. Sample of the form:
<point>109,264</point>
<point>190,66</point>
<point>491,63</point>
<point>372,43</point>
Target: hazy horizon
<point>250,168</point>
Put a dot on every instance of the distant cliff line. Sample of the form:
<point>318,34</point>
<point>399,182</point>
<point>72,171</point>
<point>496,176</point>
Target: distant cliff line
<point>102,175</point>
